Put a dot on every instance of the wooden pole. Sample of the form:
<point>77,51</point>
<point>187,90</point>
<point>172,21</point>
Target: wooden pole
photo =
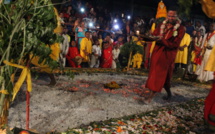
<point>27,109</point>
<point>129,61</point>
<point>27,101</point>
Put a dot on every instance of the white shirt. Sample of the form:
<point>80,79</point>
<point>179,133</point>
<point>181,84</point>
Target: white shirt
<point>97,50</point>
<point>115,53</point>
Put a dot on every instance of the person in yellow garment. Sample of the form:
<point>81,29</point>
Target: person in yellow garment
<point>182,54</point>
<point>54,55</point>
<point>86,49</point>
<point>138,58</point>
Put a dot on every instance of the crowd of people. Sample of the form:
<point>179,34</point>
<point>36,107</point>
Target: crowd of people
<point>95,36</point>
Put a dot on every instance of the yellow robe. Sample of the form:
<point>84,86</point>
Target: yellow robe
<point>85,45</point>
<point>210,66</point>
<point>182,56</point>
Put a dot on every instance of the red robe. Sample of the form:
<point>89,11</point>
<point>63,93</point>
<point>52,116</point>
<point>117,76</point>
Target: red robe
<point>107,57</point>
<point>210,106</point>
<point>162,60</point>
<point>72,53</point>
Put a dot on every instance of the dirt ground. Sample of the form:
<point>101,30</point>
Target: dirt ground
<point>58,108</point>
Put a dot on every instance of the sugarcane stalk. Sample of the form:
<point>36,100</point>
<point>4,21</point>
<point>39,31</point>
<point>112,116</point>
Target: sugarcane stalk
<point>27,109</point>
<point>1,109</point>
<point>28,100</point>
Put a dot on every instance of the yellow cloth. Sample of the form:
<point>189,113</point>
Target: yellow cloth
<point>208,8</point>
<point>86,45</point>
<point>138,58</point>
<point>153,43</point>
<point>69,38</point>
<point>193,56</point>
<point>161,10</point>
<point>59,28</point>
<point>25,75</point>
<point>181,56</point>
<point>134,38</point>
<point>210,66</point>
<point>100,43</point>
<point>54,55</point>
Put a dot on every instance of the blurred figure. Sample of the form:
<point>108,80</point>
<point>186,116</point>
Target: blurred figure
<point>115,53</point>
<point>209,43</point>
<point>95,57</point>
<point>86,49</point>
<point>80,31</point>
<point>73,57</point>
<point>106,58</point>
<point>200,27</point>
<point>182,54</point>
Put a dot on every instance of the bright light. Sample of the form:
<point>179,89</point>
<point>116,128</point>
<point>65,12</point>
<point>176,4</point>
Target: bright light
<point>115,20</point>
<point>90,24</point>
<point>82,9</point>
<point>137,32</point>
<point>116,26</point>
<point>122,15</point>
<point>129,17</point>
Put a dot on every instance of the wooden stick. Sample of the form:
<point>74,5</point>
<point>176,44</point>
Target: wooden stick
<point>27,109</point>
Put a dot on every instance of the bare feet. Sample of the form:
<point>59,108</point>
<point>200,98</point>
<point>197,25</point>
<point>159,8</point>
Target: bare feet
<point>148,95</point>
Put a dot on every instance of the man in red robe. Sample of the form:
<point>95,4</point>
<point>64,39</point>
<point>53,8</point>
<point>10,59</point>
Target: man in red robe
<point>170,34</point>
<point>209,109</point>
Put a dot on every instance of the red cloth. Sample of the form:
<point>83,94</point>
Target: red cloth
<point>198,58</point>
<point>107,57</point>
<point>147,55</point>
<point>210,106</point>
<point>162,60</point>
<point>72,53</point>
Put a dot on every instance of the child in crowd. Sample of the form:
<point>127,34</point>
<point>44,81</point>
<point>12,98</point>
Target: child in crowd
<point>115,53</point>
<point>96,53</point>
<point>73,57</point>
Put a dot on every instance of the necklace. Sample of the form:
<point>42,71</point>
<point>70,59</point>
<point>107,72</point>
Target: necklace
<point>198,41</point>
<point>175,27</point>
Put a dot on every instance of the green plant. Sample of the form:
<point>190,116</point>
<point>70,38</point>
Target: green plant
<point>26,29</point>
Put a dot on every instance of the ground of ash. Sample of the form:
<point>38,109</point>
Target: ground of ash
<point>58,108</point>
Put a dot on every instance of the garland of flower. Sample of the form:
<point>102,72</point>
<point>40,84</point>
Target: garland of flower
<point>176,26</point>
<point>198,41</point>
